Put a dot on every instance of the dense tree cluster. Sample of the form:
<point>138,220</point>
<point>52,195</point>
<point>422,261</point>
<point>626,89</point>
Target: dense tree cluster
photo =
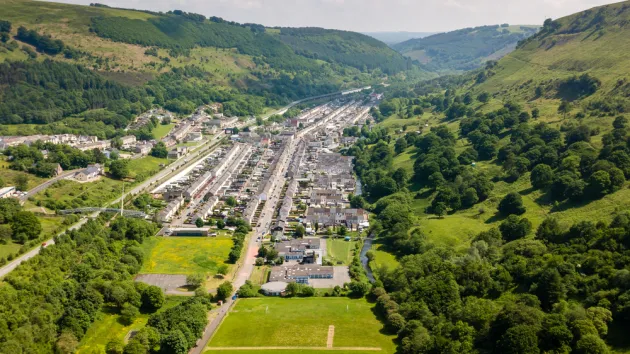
<point>49,302</point>
<point>558,292</point>
<point>30,158</point>
<point>47,91</point>
<point>17,224</point>
<point>342,47</point>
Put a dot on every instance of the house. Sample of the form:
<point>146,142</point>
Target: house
<point>195,136</point>
<point>91,173</point>
<point>58,170</point>
<point>100,145</point>
<point>171,209</point>
<point>143,148</point>
<point>177,152</point>
<point>295,250</point>
<point>128,141</point>
<point>7,192</point>
<point>336,216</point>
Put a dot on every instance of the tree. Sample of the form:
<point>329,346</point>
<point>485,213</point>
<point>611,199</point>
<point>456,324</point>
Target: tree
<point>195,280</point>
<point>224,291</point>
<point>119,169</point>
<point>483,97</point>
<point>175,343</point>
<point>520,339</point>
<point>300,231</point>
<point>591,344</point>
<point>400,146</point>
<point>223,270</point>
<point>159,150</point>
<point>260,261</point>
<point>512,203</point>
<point>440,209</point>
<point>599,183</point>
<point>199,222</point>
<point>514,228</point>
<point>293,289</point>
<point>67,343</point>
<point>128,314</point>
<point>25,226</point>
<point>21,182</point>
<point>535,113</point>
<point>152,298</point>
<point>342,230</point>
<point>220,224</point>
<point>541,176</point>
<point>231,201</point>
<point>115,346</point>
<point>549,288</point>
<point>470,197</point>
<point>564,108</point>
<point>620,122</point>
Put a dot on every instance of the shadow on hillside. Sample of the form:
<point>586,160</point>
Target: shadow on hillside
<point>495,218</point>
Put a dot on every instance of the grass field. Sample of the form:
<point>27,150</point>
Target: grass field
<point>162,130</point>
<point>340,250</point>
<point>185,255</point>
<point>9,249</point>
<point>10,176</point>
<point>301,322</point>
<point>382,258</point>
<point>107,327</point>
<point>146,166</point>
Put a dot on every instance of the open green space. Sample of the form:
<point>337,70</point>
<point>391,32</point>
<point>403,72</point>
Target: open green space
<point>146,166</point>
<point>108,327</point>
<point>162,130</point>
<point>10,176</point>
<point>9,248</point>
<point>66,194</point>
<point>340,250</point>
<point>382,258</point>
<point>302,322</point>
<point>185,255</point>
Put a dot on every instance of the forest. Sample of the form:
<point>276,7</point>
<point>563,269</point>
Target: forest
<point>49,302</point>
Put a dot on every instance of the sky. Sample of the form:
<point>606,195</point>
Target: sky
<point>370,15</point>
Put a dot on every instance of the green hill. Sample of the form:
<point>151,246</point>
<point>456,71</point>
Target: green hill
<point>503,194</point>
<point>391,38</point>
<point>464,49</point>
<point>178,60</point>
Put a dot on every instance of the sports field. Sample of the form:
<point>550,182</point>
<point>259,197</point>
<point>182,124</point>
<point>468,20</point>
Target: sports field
<point>301,325</point>
<point>185,255</point>
<point>340,250</point>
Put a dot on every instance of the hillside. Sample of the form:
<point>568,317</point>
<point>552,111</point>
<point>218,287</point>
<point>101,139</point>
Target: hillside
<point>464,49</point>
<point>391,38</point>
<point>504,195</point>
<point>177,60</point>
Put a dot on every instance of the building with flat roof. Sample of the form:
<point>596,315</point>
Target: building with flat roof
<point>300,273</point>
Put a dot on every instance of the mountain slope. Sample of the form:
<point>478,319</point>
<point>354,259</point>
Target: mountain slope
<point>594,42</point>
<point>464,49</point>
<point>391,38</point>
<point>180,60</point>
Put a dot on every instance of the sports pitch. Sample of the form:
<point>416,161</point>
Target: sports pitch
<point>301,325</point>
